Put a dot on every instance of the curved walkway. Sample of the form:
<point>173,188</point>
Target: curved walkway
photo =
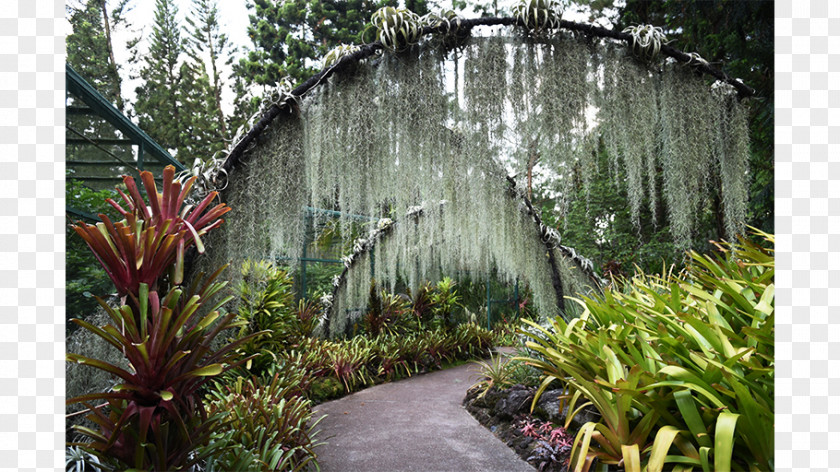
<point>415,424</point>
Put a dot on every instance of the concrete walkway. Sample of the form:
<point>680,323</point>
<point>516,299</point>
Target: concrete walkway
<point>415,424</point>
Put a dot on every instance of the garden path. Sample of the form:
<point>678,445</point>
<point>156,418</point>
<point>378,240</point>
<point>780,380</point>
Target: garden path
<point>415,424</point>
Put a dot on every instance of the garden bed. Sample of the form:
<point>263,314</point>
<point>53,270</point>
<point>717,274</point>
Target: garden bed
<point>537,437</point>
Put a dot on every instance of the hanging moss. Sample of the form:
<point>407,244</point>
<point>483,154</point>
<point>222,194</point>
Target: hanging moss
<point>733,151</point>
<point>442,131</point>
<point>629,111</point>
<point>688,124</point>
<point>269,193</point>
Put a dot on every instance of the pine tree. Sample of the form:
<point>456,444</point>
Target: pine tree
<point>88,52</point>
<point>90,49</point>
<point>211,47</point>
<point>201,137</point>
<point>158,107</point>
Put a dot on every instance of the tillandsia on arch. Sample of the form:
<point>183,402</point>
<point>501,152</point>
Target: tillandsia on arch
<point>647,40</point>
<point>539,16</point>
<point>396,28</point>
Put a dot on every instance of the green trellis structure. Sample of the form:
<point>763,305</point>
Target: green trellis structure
<point>84,100</point>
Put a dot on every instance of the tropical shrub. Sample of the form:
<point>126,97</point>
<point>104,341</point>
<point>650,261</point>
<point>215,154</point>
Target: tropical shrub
<point>266,424</point>
<point>305,319</point>
<point>473,340</point>
<point>149,244</point>
<point>349,361</point>
<point>155,418</point>
<point>387,314</point>
<point>390,354</point>
<point>494,373</point>
<point>265,305</point>
<point>420,304</point>
<point>445,300</point>
<point>679,366</point>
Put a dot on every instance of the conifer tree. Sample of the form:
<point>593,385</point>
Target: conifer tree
<point>90,48</point>
<point>89,53</point>
<point>159,107</point>
<point>171,101</point>
<point>210,46</point>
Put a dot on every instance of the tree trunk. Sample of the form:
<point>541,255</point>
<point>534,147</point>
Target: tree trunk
<point>217,89</point>
<point>115,75</point>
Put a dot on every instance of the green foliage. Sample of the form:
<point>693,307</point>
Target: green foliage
<point>680,367</point>
<point>387,313</point>
<point>445,300</point>
<point>473,340</point>
<point>505,333</point>
<point>85,277</point>
<point>90,53</point>
<point>420,302</point>
<point>326,388</point>
<point>155,417</point>
<point>599,223</point>
<point>306,319</point>
<point>265,305</point>
<point>495,373</point>
<point>89,50</point>
<point>348,362</point>
<point>207,39</point>
<point>176,104</point>
<point>267,424</point>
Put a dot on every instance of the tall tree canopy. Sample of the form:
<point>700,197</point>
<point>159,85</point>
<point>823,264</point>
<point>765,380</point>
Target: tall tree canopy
<point>212,48</point>
<point>176,103</point>
<point>90,48</point>
<point>291,35</point>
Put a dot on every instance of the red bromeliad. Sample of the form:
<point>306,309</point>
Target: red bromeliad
<point>153,237</point>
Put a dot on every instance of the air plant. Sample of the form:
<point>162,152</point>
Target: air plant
<point>337,53</point>
<point>396,28</point>
<point>538,15</point>
<point>647,40</point>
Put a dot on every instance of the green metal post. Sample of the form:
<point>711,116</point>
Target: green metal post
<point>488,303</point>
<point>516,297</point>
<point>303,273</point>
<point>372,266</point>
<point>306,220</point>
<point>140,155</point>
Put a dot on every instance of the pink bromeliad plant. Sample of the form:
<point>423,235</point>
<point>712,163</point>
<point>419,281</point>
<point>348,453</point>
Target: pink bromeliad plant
<point>155,418</point>
<point>151,240</point>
